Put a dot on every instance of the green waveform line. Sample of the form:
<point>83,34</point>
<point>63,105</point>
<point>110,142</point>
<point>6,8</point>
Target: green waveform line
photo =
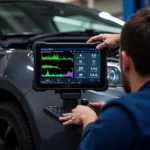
<point>56,57</point>
<point>52,75</point>
<point>49,67</point>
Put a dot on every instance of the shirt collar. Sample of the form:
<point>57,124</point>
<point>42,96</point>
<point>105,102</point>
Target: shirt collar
<point>145,86</point>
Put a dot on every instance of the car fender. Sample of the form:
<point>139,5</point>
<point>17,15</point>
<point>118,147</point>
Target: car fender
<point>10,87</point>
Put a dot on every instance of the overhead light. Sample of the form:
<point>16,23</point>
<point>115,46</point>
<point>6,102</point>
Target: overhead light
<point>108,16</point>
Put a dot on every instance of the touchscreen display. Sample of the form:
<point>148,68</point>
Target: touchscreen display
<point>70,65</point>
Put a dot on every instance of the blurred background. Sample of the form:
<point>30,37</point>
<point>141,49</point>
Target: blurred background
<point>114,7</point>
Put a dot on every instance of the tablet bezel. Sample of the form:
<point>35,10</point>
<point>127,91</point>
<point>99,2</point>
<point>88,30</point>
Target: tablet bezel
<point>100,86</point>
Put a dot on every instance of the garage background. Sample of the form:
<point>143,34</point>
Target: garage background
<point>117,8</point>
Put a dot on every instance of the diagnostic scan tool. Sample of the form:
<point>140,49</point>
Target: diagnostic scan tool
<point>68,69</point>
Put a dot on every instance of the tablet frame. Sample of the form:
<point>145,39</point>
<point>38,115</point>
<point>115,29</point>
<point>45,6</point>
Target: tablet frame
<point>100,86</point>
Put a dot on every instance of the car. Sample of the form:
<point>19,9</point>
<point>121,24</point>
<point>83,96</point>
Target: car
<point>23,124</point>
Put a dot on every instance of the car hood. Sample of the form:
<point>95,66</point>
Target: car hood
<point>111,93</point>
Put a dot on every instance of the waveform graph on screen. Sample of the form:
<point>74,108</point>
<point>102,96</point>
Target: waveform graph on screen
<point>57,65</point>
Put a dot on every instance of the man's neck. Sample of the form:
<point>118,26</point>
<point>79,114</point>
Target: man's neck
<point>137,82</point>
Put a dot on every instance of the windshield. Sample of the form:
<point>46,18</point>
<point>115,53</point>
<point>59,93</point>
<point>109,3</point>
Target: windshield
<point>43,17</point>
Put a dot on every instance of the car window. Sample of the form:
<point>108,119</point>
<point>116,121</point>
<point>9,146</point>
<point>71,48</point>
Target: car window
<point>81,23</point>
<point>17,17</point>
<point>75,19</point>
<point>15,20</point>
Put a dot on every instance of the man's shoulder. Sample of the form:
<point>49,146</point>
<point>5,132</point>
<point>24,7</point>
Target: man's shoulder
<point>132,97</point>
<point>124,98</point>
<point>131,102</point>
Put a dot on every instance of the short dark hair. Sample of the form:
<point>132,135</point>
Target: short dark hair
<point>135,40</point>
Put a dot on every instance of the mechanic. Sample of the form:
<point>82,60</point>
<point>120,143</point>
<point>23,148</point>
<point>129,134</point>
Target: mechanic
<point>124,123</point>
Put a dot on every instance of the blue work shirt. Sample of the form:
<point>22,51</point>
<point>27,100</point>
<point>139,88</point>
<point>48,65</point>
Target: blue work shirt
<point>124,124</point>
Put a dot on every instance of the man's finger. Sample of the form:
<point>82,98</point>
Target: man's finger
<point>73,110</point>
<point>90,40</point>
<point>65,118</point>
<point>69,122</point>
<point>97,103</point>
<point>101,46</point>
<point>67,114</point>
<point>95,39</point>
<point>101,104</point>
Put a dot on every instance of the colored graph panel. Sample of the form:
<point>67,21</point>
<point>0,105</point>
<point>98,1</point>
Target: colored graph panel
<point>57,65</point>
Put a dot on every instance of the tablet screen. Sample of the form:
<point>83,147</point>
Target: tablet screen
<point>69,66</point>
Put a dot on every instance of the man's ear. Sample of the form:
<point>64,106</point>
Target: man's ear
<point>125,59</point>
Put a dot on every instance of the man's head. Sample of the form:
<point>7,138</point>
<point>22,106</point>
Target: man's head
<point>135,48</point>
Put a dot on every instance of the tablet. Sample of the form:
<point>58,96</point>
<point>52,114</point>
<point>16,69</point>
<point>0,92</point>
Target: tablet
<point>59,66</point>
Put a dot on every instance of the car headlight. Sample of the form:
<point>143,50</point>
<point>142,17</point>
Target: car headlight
<point>113,74</point>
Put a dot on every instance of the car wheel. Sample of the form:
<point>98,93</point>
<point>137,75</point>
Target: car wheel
<point>14,129</point>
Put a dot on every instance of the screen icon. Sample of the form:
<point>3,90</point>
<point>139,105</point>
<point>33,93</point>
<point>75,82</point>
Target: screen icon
<point>80,74</point>
<point>80,61</point>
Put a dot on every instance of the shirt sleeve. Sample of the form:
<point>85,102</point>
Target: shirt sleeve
<point>114,130</point>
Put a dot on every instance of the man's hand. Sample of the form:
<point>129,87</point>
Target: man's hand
<point>81,115</point>
<point>108,40</point>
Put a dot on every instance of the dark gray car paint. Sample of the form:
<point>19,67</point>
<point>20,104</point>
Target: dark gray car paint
<point>16,76</point>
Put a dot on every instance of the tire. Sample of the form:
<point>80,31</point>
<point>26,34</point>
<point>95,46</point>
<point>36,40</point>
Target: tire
<point>19,136</point>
